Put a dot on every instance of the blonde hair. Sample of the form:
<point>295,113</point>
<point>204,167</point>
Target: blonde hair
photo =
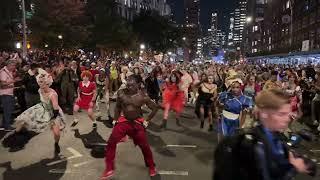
<point>272,99</point>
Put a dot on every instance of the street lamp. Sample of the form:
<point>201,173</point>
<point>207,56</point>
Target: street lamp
<point>249,19</point>
<point>18,45</point>
<point>142,46</point>
<point>169,53</point>
<point>46,45</point>
<point>184,38</point>
<point>60,36</point>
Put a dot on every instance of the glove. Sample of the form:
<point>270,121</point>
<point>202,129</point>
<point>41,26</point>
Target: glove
<point>145,124</point>
<point>55,114</point>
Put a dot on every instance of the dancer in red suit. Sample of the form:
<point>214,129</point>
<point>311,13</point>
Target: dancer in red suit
<point>86,97</point>
<point>173,98</point>
<point>130,122</point>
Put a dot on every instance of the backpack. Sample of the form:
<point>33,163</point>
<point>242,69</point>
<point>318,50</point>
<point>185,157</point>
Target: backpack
<point>234,156</point>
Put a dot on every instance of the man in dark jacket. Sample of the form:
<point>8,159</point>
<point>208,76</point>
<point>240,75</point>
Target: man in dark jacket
<point>261,154</point>
<point>31,86</point>
<point>152,87</point>
<point>67,78</point>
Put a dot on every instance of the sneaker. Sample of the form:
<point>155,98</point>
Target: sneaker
<point>315,123</point>
<point>75,122</point>
<point>152,171</point>
<point>94,125</point>
<point>107,175</point>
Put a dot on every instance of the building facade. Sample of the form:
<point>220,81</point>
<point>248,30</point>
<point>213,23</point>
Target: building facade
<point>129,8</point>
<point>255,37</point>
<point>192,27</point>
<point>240,19</point>
<point>288,26</point>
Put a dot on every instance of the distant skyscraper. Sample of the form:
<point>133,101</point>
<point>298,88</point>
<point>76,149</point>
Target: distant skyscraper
<point>231,31</point>
<point>192,25</point>
<point>240,19</point>
<point>214,29</point>
<point>129,8</point>
<point>221,39</point>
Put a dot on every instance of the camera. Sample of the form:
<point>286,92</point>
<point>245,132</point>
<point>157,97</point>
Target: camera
<point>294,142</point>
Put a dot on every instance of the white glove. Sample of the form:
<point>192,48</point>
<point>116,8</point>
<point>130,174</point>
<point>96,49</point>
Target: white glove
<point>145,124</point>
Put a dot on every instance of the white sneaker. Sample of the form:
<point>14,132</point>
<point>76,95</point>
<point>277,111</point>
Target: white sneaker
<point>315,123</point>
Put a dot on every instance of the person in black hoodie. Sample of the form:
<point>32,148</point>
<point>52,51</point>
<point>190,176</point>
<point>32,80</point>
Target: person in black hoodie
<point>152,86</point>
<point>32,96</point>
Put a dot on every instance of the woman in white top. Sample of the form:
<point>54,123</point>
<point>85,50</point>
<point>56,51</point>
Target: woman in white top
<point>45,114</point>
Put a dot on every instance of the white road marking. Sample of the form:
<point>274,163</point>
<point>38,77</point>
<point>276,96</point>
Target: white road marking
<point>75,154</point>
<point>82,163</point>
<point>315,150</point>
<point>181,146</point>
<point>174,173</point>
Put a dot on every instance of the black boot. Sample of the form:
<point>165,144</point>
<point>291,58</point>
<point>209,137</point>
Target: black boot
<point>210,128</point>
<point>178,122</point>
<point>202,124</point>
<point>202,121</point>
<point>56,148</point>
<point>164,124</point>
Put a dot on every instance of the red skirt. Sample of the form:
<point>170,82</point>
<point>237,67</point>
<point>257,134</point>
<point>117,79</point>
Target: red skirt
<point>175,99</point>
<point>84,102</point>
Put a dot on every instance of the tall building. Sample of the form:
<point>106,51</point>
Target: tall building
<point>214,29</point>
<point>129,8</point>
<point>231,32</point>
<point>254,35</point>
<point>240,19</point>
<point>304,29</point>
<point>285,26</point>
<point>192,26</point>
<point>221,39</point>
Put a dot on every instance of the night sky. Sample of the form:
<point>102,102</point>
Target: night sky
<point>223,7</point>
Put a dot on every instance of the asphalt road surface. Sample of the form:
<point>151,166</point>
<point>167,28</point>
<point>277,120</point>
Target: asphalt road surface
<point>180,153</point>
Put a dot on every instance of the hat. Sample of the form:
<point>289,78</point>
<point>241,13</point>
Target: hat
<point>232,78</point>
<point>93,64</point>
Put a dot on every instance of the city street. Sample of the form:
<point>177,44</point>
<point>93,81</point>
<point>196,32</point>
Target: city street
<point>181,153</point>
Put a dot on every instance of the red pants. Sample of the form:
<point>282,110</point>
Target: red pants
<point>137,133</point>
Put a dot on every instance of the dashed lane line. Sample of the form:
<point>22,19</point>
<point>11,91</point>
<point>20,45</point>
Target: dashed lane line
<point>75,154</point>
<point>181,146</point>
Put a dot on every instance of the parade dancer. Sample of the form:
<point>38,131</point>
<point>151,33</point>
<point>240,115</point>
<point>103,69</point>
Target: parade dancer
<point>130,122</point>
<point>86,98</point>
<point>173,98</point>
<point>45,114</point>
<point>233,103</point>
<point>204,103</point>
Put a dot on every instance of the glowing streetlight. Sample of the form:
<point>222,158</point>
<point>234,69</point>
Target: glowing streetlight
<point>60,37</point>
<point>18,45</point>
<point>46,45</point>
<point>184,38</point>
<point>126,55</point>
<point>142,46</point>
<point>249,19</point>
<point>169,53</point>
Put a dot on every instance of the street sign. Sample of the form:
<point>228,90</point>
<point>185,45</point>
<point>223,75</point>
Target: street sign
<point>305,45</point>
